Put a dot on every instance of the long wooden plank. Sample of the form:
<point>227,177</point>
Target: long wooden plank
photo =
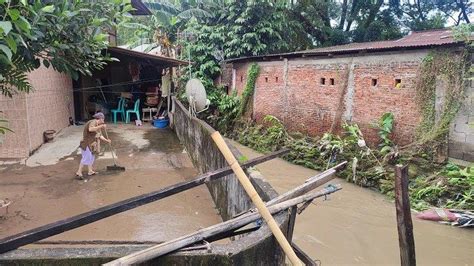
<point>175,244</point>
<point>33,235</point>
<point>310,184</point>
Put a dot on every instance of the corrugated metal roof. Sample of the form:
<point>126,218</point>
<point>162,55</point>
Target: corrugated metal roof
<point>415,39</point>
<point>421,39</point>
<point>168,61</point>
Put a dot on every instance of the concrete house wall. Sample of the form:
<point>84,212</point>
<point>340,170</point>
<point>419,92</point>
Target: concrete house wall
<point>49,106</point>
<point>461,135</point>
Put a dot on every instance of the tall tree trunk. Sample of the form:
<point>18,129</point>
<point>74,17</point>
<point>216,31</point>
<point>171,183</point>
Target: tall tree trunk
<point>354,10</point>
<point>319,34</point>
<point>463,8</point>
<point>343,15</point>
<point>325,14</point>
<point>420,10</point>
<point>373,13</point>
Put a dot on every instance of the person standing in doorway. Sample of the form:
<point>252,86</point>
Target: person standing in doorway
<point>90,144</point>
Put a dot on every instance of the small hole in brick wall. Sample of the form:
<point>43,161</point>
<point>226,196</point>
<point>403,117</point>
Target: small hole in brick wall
<point>331,81</point>
<point>266,79</point>
<point>323,81</point>
<point>374,82</point>
<point>398,83</point>
<point>241,78</point>
<point>276,79</point>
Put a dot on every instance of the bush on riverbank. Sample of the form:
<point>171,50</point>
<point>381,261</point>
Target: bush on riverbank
<point>431,184</point>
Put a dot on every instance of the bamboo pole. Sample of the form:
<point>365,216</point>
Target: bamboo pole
<point>252,193</point>
<point>229,225</point>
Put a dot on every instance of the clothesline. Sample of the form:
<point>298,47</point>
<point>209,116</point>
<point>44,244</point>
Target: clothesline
<point>117,84</point>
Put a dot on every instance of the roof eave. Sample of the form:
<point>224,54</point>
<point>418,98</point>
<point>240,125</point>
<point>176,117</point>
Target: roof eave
<point>156,58</point>
<point>333,53</point>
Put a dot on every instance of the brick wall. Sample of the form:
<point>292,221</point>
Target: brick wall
<point>371,102</point>
<point>49,106</point>
<point>16,144</point>
<point>240,77</point>
<point>307,93</point>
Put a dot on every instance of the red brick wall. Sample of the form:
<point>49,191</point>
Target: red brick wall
<point>49,106</point>
<point>370,102</point>
<point>240,77</point>
<point>269,95</point>
<point>312,105</point>
<point>304,104</point>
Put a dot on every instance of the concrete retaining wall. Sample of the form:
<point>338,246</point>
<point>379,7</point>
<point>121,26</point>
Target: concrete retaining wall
<point>258,248</point>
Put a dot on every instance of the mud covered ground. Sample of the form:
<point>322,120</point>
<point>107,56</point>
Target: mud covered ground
<point>45,189</point>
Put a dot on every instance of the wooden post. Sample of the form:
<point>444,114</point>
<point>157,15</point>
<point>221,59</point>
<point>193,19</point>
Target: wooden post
<point>404,223</point>
<point>291,223</point>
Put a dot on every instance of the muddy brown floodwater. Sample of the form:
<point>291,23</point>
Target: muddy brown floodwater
<point>357,226</point>
<point>153,159</point>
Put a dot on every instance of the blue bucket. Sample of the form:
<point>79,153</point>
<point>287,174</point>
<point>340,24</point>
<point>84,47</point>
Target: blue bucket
<point>161,123</point>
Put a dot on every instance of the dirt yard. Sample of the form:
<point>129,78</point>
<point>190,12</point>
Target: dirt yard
<point>45,190</point>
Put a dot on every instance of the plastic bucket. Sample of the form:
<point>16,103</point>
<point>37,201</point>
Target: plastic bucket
<point>48,135</point>
<point>161,123</point>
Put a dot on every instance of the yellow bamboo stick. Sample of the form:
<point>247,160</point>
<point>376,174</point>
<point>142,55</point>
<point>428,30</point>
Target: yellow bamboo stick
<point>252,193</point>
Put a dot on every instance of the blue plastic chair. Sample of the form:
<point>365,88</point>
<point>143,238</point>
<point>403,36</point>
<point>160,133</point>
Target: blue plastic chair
<point>120,109</point>
<point>135,111</point>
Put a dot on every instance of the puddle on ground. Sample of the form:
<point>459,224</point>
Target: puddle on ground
<point>357,226</point>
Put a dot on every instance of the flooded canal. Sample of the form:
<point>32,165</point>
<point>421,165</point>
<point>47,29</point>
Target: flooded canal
<point>356,226</point>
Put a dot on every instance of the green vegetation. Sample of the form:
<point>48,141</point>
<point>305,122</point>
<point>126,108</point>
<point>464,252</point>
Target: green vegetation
<point>249,88</point>
<point>448,68</point>
<point>212,31</point>
<point>431,184</point>
<point>66,35</point>
<point>226,110</point>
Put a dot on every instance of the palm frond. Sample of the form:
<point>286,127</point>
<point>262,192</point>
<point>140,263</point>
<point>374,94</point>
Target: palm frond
<point>162,18</point>
<point>164,6</point>
<point>14,77</point>
<point>194,12</point>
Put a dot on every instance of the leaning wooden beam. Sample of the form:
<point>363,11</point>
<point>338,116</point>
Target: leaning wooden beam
<point>255,198</point>
<point>310,184</point>
<point>33,235</point>
<point>170,246</point>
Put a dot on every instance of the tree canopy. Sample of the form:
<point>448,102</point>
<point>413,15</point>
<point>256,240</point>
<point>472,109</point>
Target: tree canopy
<point>226,29</point>
<point>67,35</point>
